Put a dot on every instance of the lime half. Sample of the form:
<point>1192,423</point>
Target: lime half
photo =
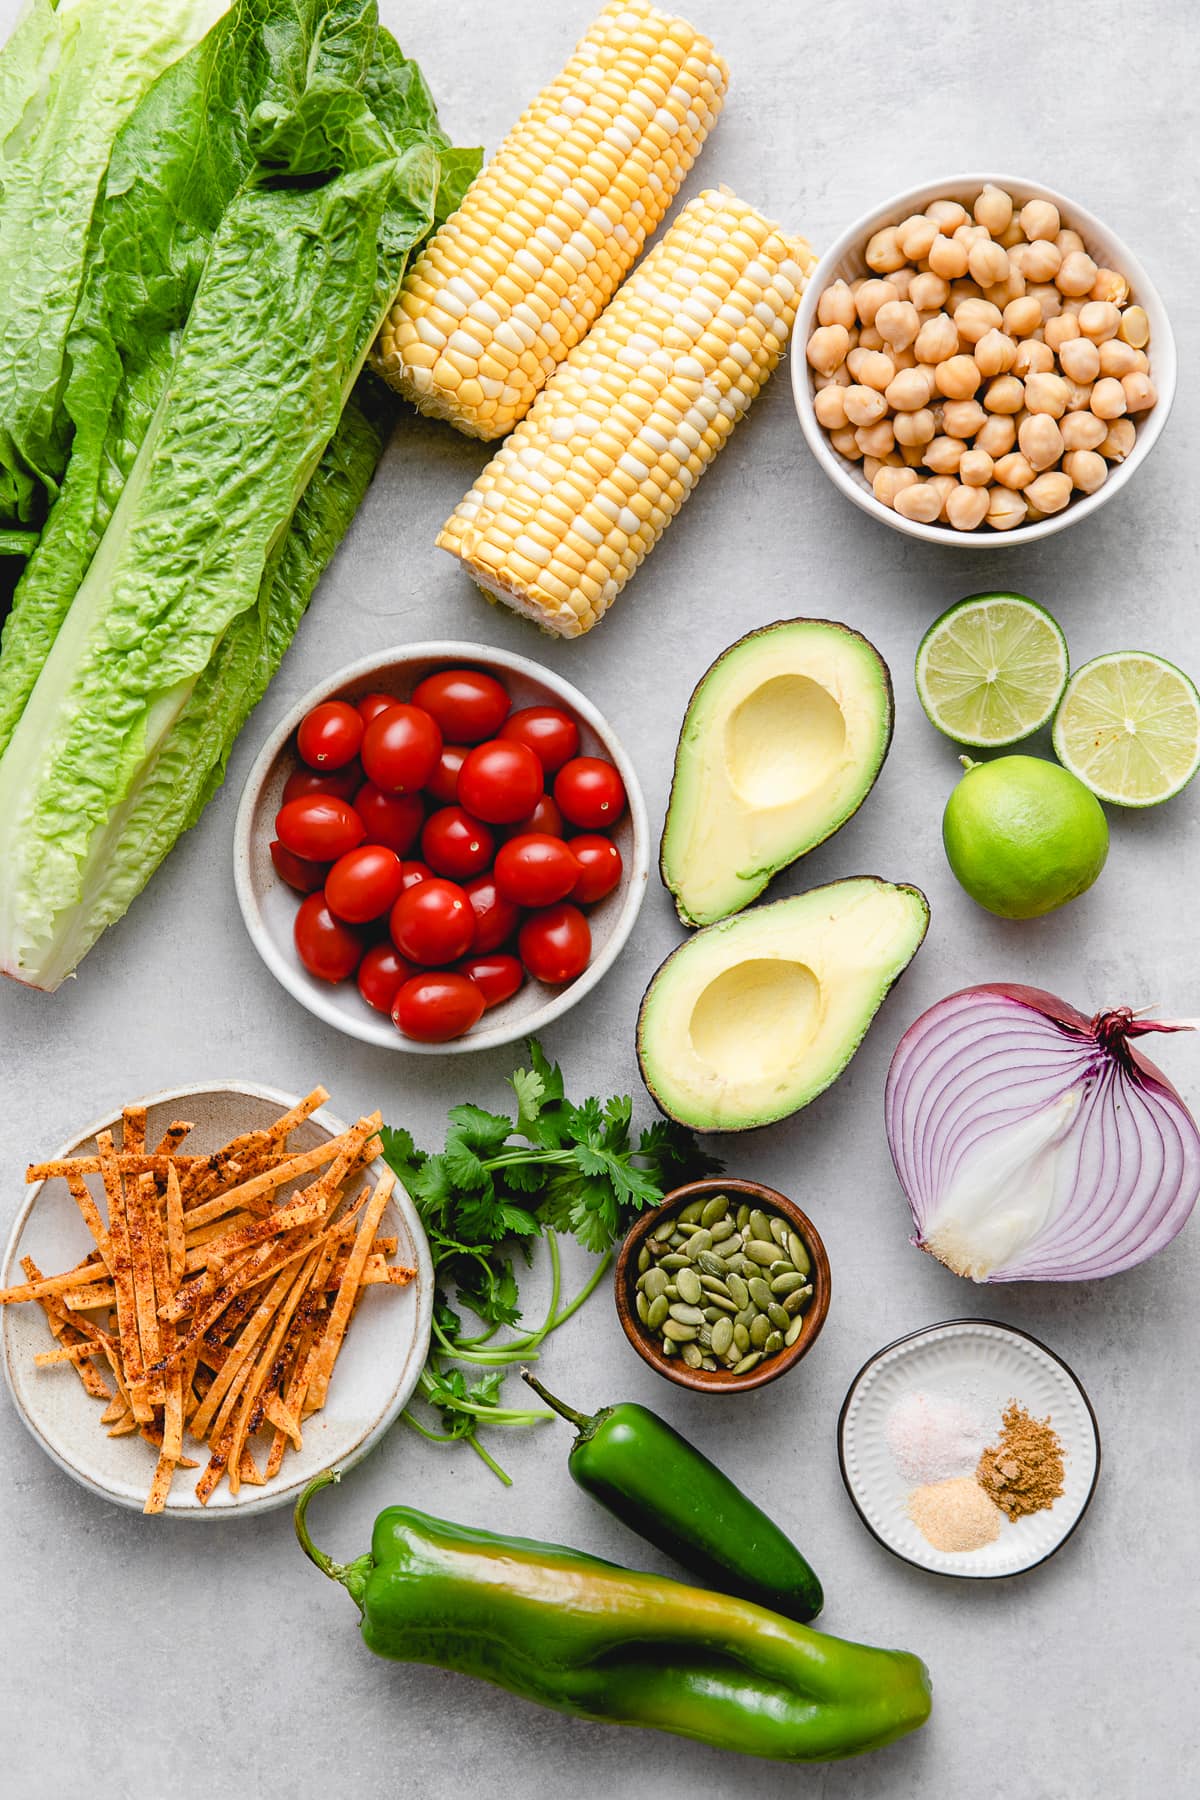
<point>991,670</point>
<point>1129,727</point>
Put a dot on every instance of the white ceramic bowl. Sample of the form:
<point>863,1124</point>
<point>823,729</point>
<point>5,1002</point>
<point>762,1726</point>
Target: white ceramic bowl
<point>845,259</point>
<point>269,905</point>
<point>377,1370</point>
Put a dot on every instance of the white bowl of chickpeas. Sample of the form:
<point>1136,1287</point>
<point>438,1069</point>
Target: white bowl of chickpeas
<point>981,361</point>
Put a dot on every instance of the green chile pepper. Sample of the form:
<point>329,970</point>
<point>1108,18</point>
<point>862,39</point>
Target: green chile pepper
<point>589,1638</point>
<point>666,1490</point>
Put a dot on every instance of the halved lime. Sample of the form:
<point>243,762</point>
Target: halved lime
<point>1129,727</point>
<point>991,670</point>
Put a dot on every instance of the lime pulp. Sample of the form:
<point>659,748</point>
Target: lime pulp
<point>991,670</point>
<point>1129,728</point>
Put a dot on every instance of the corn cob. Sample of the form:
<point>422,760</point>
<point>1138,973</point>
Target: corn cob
<point>589,481</point>
<point>553,224</point>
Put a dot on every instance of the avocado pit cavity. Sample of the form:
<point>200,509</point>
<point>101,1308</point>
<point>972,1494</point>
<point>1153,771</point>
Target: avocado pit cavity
<point>755,1017</point>
<point>784,741</point>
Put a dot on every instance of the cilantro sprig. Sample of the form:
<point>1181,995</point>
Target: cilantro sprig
<point>499,1183</point>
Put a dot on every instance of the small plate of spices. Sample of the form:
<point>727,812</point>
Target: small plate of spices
<point>969,1448</point>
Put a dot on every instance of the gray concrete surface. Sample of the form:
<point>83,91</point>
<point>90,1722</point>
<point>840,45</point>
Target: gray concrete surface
<point>142,1660</point>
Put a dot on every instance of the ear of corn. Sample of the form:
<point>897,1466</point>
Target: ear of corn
<point>588,482</point>
<point>550,228</point>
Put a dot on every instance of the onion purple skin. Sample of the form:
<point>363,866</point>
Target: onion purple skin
<point>994,1058</point>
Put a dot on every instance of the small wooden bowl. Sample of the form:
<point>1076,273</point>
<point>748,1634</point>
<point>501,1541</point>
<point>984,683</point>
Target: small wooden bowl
<point>721,1381</point>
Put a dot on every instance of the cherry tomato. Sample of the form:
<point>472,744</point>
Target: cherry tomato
<point>329,949</point>
<point>380,973</point>
<point>544,818</point>
<point>433,922</point>
<point>319,827</point>
<point>497,977</point>
<point>455,844</point>
<point>411,873</point>
<point>500,782</point>
<point>331,735</point>
<point>343,784</point>
<point>305,877</point>
<point>548,731</point>
<point>400,749</point>
<point>590,792</point>
<point>496,919</point>
<point>371,705</point>
<point>468,705</point>
<point>443,783</point>
<point>600,866</point>
<point>535,870</point>
<point>364,884</point>
<point>390,819</point>
<point>555,945</point>
<point>432,1009</point>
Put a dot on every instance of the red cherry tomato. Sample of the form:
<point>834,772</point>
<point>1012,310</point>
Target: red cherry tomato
<point>468,705</point>
<point>545,818</point>
<point>590,792</point>
<point>443,783</point>
<point>390,819</point>
<point>432,1009</point>
<point>400,749</point>
<point>380,973</point>
<point>500,782</point>
<point>364,884</point>
<point>319,827</point>
<point>371,705</point>
<point>433,922</point>
<point>548,731</point>
<point>305,877</point>
<point>535,870</point>
<point>497,977</point>
<point>329,949</point>
<point>600,868</point>
<point>455,844</point>
<point>411,873</point>
<point>555,945</point>
<point>331,735</point>
<point>496,919</point>
<point>343,784</point>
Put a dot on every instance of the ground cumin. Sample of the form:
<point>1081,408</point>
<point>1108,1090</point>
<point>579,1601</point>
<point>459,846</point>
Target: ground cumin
<point>1023,1473</point>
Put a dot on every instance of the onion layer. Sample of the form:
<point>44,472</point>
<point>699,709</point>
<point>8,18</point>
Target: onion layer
<point>1034,1143</point>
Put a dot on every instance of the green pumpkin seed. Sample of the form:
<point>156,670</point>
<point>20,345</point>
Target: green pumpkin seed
<point>670,1349</point>
<point>778,1317</point>
<point>643,1260</point>
<point>687,1215</point>
<point>688,1283</point>
<point>743,1217</point>
<point>742,1264</point>
<point>761,1253</point>
<point>691,1356</point>
<point>699,1240</point>
<point>643,1307</point>
<point>687,1315</point>
<point>688,1227</point>
<point>774,1343</point>
<point>797,1301</point>
<point>722,1229</point>
<point>674,1262</point>
<point>663,1231</point>
<point>655,1282</point>
<point>711,1313</point>
<point>722,1337</point>
<point>721,1302</point>
<point>747,1315</point>
<point>678,1240</point>
<point>671,1291</point>
<point>739,1293</point>
<point>677,1331</point>
<point>779,1232</point>
<point>793,1332</point>
<point>799,1255</point>
<point>712,1264</point>
<point>714,1209</point>
<point>657,1311</point>
<point>760,1225</point>
<point>783,1285</point>
<point>741,1338</point>
<point>712,1284</point>
<point>760,1331</point>
<point>747,1363</point>
<point>760,1293</point>
<point>709,1364</point>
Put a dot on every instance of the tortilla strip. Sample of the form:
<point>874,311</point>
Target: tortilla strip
<point>141,1202</point>
<point>87,1299</point>
<point>83,1273</point>
<point>305,1209</point>
<point>64,1330</point>
<point>173,1136</point>
<point>240,1355</point>
<point>116,1409</point>
<point>259,1187</point>
<point>339,1318</point>
<point>124,1427</point>
<point>68,1353</point>
<point>175,1232</point>
<point>133,1130</point>
<point>81,1193</point>
<point>249,1471</point>
<point>90,1165</point>
<point>260,1373</point>
<point>160,1486</point>
<point>123,1278</point>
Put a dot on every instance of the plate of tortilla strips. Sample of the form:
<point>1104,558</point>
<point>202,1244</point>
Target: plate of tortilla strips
<point>210,1296</point>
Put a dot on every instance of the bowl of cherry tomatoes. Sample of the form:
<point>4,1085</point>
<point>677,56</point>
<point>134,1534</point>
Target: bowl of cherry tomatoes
<point>442,848</point>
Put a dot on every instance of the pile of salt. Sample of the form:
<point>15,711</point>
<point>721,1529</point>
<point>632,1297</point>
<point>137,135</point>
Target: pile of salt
<point>934,1437</point>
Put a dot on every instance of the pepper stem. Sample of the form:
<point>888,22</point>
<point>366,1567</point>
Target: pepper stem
<point>579,1420</point>
<point>325,1563</point>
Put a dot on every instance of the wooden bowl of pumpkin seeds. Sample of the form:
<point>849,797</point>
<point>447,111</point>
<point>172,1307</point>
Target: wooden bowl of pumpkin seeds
<point>723,1286</point>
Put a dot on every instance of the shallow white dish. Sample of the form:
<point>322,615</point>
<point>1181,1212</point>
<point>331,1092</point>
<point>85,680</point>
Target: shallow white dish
<point>383,1353</point>
<point>269,905</point>
<point>987,1364</point>
<point>845,259</point>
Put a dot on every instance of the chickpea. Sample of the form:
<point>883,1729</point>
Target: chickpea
<point>1068,241</point>
<point>947,215</point>
<point>883,252</point>
<point>898,322</point>
<point>839,378</point>
<point>1099,320</point>
<point>1004,395</point>
<point>830,408</point>
<point>960,291</point>
<point>947,257</point>
<point>962,418</point>
<point>1022,317</point>
<point>876,440</point>
<point>914,236</point>
<point>928,291</point>
<point>1083,431</point>
<point>1040,220</point>
<point>1040,261</point>
<point>969,233</point>
<point>827,348</point>
<point>1041,441</point>
<point>967,507</point>
<point>846,444</point>
<point>1109,285</point>
<point>1015,471</point>
<point>870,339</point>
<point>1032,358</point>
<point>864,405</point>
<point>995,353</point>
<point>1108,398</point>
<point>1046,393</point>
<point>1079,396</point>
<point>987,262</point>
<point>914,427</point>
<point>937,339</point>
<point>1134,327</point>
<point>958,377</point>
<point>912,455</point>
<point>889,482</point>
<point>871,368</point>
<point>903,359</point>
<point>1011,288</point>
<point>945,485</point>
<point>1062,329</point>
<point>909,392</point>
<point>871,296</point>
<point>1076,273</point>
<point>900,279</point>
<point>919,502</point>
<point>1080,359</point>
<point>1140,392</point>
<point>1119,358</point>
<point>997,436</point>
<point>1005,510</point>
<point>1050,492</point>
<point>993,210</point>
<point>1118,440</point>
<point>943,455</point>
<point>1012,235</point>
<point>1048,298</point>
<point>972,318</point>
<point>836,306</point>
<point>975,468</point>
<point>1086,470</point>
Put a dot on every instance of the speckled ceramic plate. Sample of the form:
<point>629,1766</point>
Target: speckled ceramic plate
<point>985,1365</point>
<point>376,1371</point>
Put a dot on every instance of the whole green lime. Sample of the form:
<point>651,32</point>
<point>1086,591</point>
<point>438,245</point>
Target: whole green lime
<point>1023,835</point>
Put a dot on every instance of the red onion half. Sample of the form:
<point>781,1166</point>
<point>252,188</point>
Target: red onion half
<point>1035,1144</point>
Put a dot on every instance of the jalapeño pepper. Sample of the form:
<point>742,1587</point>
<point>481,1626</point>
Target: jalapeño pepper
<point>666,1490</point>
<point>589,1638</point>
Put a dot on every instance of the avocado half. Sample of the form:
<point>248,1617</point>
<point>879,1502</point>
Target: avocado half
<point>781,743</point>
<point>753,1017</point>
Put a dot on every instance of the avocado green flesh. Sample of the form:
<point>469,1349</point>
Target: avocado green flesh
<point>781,743</point>
<point>754,1017</point>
